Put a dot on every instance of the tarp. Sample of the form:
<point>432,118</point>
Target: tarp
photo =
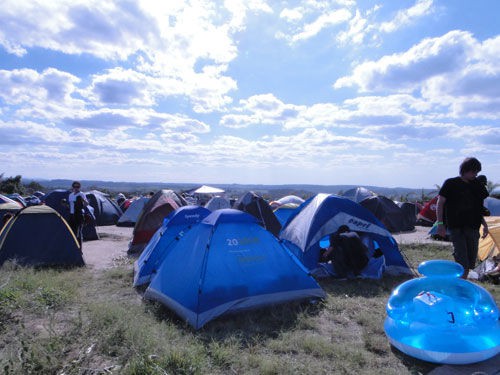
<point>39,236</point>
<point>173,229</point>
<point>228,263</point>
<point>490,245</point>
<point>322,215</point>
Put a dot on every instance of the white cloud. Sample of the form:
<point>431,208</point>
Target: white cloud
<point>406,16</point>
<point>329,19</point>
<point>407,71</point>
<point>292,15</point>
<point>28,133</point>
<point>185,46</point>
<point>120,86</point>
<point>358,28</point>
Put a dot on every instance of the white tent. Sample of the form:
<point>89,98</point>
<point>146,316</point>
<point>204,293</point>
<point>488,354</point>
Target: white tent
<point>208,190</point>
<point>217,203</point>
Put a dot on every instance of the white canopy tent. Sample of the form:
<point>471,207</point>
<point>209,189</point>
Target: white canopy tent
<point>205,189</point>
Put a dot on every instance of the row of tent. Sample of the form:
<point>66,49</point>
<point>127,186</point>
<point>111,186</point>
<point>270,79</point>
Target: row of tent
<point>203,264</point>
<point>146,216</point>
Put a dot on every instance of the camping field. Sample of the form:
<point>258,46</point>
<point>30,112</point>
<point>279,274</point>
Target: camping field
<point>88,321</point>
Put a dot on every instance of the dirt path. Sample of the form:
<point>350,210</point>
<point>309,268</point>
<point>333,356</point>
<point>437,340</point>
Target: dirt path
<point>112,246</point>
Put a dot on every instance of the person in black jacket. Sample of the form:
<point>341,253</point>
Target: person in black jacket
<point>460,209</point>
<point>347,252</point>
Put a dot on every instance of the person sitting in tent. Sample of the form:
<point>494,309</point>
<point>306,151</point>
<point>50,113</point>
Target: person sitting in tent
<point>347,252</point>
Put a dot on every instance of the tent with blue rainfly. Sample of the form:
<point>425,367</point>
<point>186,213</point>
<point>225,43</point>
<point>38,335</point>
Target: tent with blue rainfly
<point>284,211</point>
<point>39,236</point>
<point>229,263</point>
<point>173,229</point>
<point>322,215</point>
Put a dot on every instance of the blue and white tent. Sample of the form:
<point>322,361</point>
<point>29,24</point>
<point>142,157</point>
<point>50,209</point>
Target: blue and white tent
<point>172,230</point>
<point>322,215</point>
<point>228,263</point>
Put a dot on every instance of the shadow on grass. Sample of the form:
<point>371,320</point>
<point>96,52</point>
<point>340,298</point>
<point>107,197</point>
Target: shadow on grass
<point>249,326</point>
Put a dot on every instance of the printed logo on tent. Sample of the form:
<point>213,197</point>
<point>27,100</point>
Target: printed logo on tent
<point>234,245</point>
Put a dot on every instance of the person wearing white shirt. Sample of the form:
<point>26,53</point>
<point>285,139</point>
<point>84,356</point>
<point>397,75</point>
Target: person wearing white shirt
<point>77,202</point>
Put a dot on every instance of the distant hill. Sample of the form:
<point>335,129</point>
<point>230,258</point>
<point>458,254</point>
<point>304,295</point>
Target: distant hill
<point>268,191</point>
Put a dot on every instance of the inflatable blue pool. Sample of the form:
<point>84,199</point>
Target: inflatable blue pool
<point>442,318</point>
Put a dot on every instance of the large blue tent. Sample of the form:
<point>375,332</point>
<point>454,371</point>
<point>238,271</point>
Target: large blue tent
<point>322,215</point>
<point>228,263</point>
<point>172,230</point>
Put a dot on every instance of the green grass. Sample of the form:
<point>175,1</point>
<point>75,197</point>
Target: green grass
<point>83,321</point>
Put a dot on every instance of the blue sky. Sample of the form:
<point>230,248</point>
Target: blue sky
<point>387,93</point>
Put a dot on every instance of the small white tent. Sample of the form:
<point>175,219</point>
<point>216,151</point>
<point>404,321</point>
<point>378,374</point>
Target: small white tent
<point>129,217</point>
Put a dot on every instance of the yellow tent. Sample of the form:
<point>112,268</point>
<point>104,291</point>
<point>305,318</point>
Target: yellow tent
<point>490,246</point>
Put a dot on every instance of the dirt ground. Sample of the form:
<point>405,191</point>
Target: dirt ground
<point>109,249</point>
<point>113,244</point>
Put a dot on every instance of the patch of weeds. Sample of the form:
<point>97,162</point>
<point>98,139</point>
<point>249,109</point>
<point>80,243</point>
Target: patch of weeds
<point>8,303</point>
<point>221,355</point>
<point>51,298</point>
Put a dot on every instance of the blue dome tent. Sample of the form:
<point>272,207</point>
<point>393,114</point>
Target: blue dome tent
<point>322,215</point>
<point>228,263</point>
<point>106,211</point>
<point>172,230</point>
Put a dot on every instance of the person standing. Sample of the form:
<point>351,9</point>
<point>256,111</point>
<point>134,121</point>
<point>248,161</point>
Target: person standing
<point>77,203</point>
<point>460,209</point>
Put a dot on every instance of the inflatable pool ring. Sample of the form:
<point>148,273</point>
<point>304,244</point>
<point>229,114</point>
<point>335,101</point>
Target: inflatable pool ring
<point>442,318</point>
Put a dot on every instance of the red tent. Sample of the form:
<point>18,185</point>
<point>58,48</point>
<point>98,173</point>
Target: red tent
<point>151,218</point>
<point>428,213</point>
